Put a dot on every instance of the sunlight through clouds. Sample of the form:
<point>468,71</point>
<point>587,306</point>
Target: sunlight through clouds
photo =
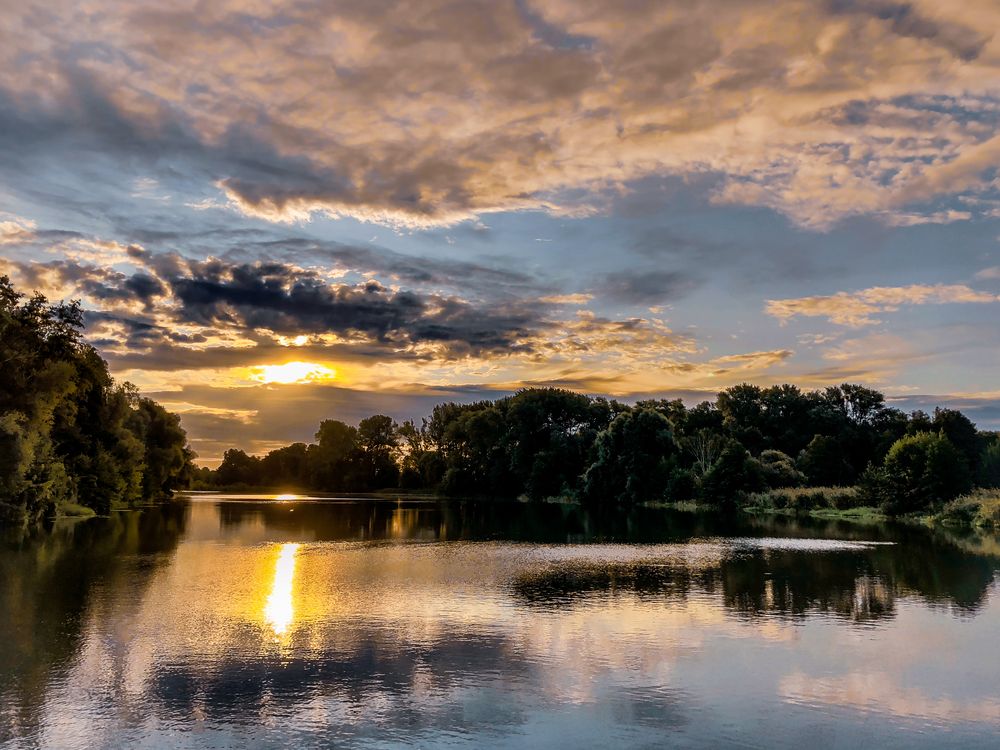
<point>292,372</point>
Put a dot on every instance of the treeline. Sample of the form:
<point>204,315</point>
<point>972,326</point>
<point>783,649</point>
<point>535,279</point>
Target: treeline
<point>68,433</point>
<point>543,442</point>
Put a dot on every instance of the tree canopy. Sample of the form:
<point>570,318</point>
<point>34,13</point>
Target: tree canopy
<point>547,442</point>
<point>68,432</point>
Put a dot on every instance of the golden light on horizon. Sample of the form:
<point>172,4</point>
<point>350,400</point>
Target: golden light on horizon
<point>279,611</point>
<point>292,372</point>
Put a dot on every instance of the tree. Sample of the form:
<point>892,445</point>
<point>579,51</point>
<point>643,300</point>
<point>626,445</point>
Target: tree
<point>475,453</point>
<point>68,432</point>
<point>704,416</point>
<point>742,409</point>
<point>634,458</point>
<point>733,475</point>
<point>705,447</point>
<point>824,464</point>
<point>919,472</point>
<point>287,467</point>
<point>961,432</point>
<point>238,468</point>
<point>549,434</point>
<point>378,442</point>
<point>330,460</point>
<point>989,465</point>
<point>778,470</point>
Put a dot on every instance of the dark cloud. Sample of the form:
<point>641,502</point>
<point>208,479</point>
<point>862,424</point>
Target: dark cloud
<point>905,20</point>
<point>289,300</point>
<point>646,287</point>
<point>286,300</point>
<point>478,278</point>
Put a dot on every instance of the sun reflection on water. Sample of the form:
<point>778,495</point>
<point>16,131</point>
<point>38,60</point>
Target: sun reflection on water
<point>278,612</point>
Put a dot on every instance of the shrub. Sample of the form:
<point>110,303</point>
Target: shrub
<point>920,471</point>
<point>979,508</point>
<point>778,470</point>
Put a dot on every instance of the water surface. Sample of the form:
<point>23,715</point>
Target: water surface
<point>251,622</point>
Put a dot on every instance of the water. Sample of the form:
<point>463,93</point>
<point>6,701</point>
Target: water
<point>361,623</point>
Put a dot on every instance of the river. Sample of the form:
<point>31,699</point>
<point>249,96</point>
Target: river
<point>283,622</point>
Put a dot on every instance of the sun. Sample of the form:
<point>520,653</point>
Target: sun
<point>292,372</point>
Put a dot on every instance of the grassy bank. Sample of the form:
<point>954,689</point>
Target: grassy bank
<point>73,510</point>
<point>979,508</point>
<point>833,503</point>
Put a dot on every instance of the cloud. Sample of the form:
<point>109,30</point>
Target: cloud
<point>16,231</point>
<point>577,298</point>
<point>174,314</point>
<point>646,287</point>
<point>938,217</point>
<point>752,360</point>
<point>989,274</point>
<point>881,693</point>
<point>857,309</point>
<point>431,114</point>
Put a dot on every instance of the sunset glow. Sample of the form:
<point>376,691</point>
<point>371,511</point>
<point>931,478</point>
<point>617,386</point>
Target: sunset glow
<point>292,372</point>
<point>500,373</point>
<point>629,199</point>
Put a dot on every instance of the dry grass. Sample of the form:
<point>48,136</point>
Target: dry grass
<point>979,508</point>
<point>806,498</point>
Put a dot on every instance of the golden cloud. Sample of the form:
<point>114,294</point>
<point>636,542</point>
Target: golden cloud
<point>857,309</point>
<point>435,112</point>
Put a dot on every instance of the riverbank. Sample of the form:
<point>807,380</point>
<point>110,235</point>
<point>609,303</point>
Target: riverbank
<point>980,508</point>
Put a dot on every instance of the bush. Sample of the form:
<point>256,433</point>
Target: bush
<point>778,470</point>
<point>919,472</point>
<point>806,499</point>
<point>979,508</point>
<point>682,485</point>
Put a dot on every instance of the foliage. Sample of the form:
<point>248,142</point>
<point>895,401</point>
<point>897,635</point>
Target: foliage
<point>733,475</point>
<point>989,465</point>
<point>798,499</point>
<point>978,508</point>
<point>823,463</point>
<point>778,470</point>
<point>634,458</point>
<point>69,435</point>
<point>919,472</point>
<point>547,442</point>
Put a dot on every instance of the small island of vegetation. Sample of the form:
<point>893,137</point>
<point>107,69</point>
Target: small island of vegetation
<point>72,440</point>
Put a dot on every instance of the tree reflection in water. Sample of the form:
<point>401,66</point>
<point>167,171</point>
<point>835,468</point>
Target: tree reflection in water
<point>415,616</point>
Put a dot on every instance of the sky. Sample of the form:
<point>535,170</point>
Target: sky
<point>275,213</point>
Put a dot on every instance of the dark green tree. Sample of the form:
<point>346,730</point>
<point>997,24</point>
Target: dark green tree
<point>378,444</point>
<point>824,464</point>
<point>920,472</point>
<point>734,474</point>
<point>634,458</point>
